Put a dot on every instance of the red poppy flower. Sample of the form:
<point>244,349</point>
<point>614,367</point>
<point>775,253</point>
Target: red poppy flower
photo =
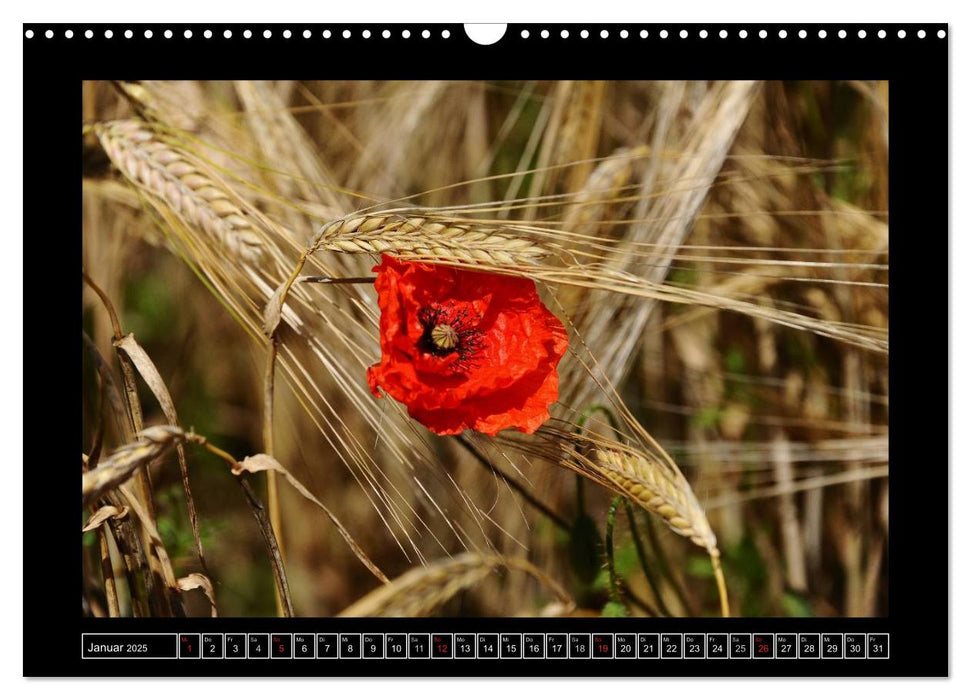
<point>464,349</point>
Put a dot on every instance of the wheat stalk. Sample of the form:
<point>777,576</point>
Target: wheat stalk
<point>150,444</point>
<point>577,137</point>
<point>665,492</point>
<point>658,490</point>
<point>420,591</point>
<point>183,183</point>
<point>589,205</point>
<point>405,232</point>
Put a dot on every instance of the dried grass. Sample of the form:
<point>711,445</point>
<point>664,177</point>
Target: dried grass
<point>190,188</point>
<point>421,591</point>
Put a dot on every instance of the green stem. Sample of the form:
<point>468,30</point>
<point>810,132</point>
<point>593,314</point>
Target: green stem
<point>613,579</point>
<point>580,426</point>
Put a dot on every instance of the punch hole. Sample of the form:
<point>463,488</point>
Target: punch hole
<point>484,34</point>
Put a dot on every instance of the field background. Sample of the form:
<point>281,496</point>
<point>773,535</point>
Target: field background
<point>770,194</point>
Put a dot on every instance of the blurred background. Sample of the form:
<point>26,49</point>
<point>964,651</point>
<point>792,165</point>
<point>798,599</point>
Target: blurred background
<point>775,193</point>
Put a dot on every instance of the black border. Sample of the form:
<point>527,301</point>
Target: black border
<point>918,73</point>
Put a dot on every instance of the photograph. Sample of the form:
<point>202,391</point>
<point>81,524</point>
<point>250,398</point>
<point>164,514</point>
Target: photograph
<point>485,349</point>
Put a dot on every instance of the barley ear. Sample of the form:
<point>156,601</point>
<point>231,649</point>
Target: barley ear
<point>665,492</point>
<point>411,233</point>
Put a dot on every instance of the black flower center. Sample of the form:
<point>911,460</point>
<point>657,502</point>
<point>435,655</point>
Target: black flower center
<point>449,331</point>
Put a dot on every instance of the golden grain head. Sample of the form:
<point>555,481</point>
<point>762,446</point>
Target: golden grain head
<point>407,235</point>
<point>180,181</point>
<point>658,490</point>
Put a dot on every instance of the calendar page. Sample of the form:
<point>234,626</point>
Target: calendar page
<point>492,349</point>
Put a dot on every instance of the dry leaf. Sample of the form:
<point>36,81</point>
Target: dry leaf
<point>274,310</point>
<point>193,581</point>
<point>262,463</point>
<point>154,537</point>
<point>149,372</point>
<point>103,514</point>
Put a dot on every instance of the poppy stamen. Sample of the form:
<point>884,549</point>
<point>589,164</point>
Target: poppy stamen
<point>448,331</point>
<point>444,336</point>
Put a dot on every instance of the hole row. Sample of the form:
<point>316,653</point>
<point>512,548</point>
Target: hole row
<point>723,34</point>
<point>246,34</point>
<point>525,34</point>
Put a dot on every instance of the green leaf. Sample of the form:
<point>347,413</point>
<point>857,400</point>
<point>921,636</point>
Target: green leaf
<point>699,566</point>
<point>625,559</point>
<point>795,605</point>
<point>614,609</point>
<point>706,417</point>
<point>734,361</point>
